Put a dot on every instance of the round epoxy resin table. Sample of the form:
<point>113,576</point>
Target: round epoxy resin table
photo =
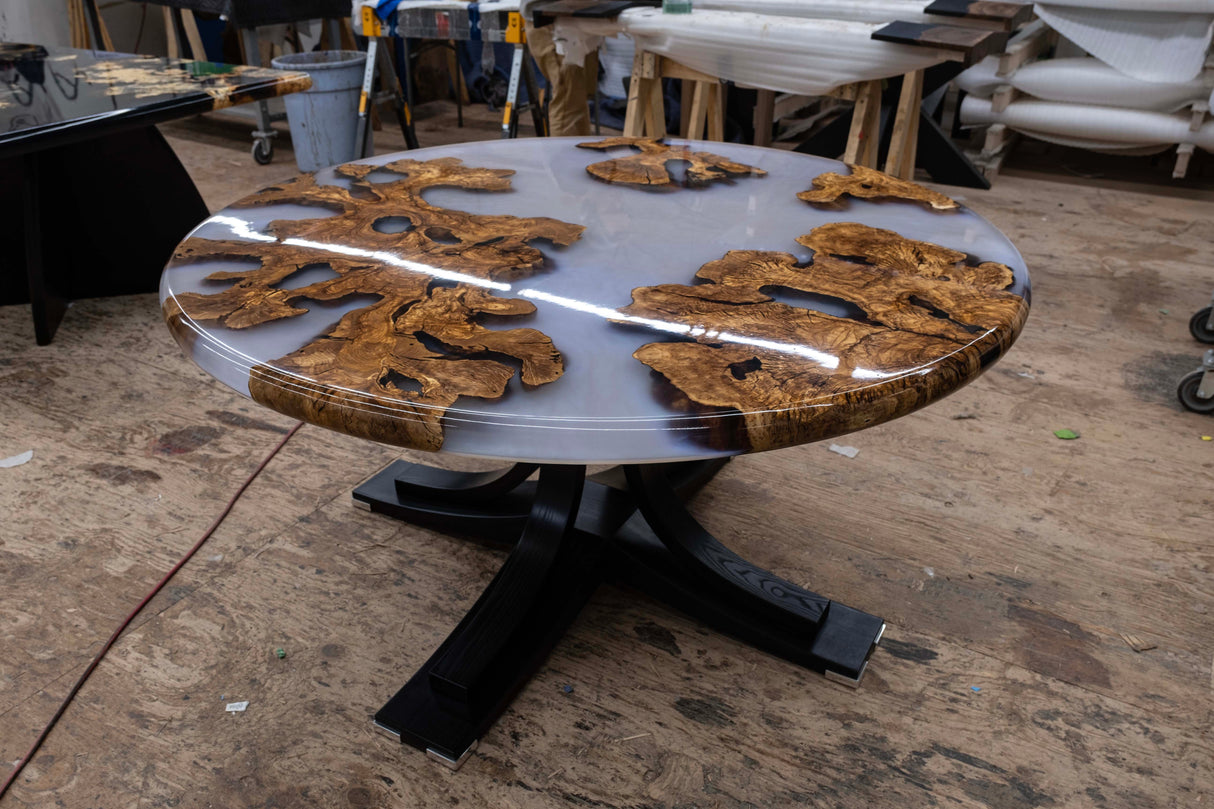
<point>562,302</point>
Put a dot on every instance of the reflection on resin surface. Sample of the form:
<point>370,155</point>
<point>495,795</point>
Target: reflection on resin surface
<point>500,299</point>
<point>41,86</point>
<point>420,346</point>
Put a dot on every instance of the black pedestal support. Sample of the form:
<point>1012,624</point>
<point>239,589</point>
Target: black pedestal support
<point>94,217</point>
<point>569,534</point>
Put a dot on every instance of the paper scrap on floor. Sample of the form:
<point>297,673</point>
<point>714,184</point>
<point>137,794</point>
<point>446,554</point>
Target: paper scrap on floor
<point>16,460</point>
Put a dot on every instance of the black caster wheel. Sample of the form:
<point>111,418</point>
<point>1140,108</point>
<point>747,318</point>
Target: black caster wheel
<point>263,153</point>
<point>1199,328</point>
<point>1187,393</point>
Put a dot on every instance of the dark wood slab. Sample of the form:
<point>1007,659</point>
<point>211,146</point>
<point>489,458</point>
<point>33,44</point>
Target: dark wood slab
<point>545,13</point>
<point>974,44</point>
<point>1012,15</point>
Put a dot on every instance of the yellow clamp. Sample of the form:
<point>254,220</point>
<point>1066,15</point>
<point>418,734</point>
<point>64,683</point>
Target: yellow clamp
<point>514,29</point>
<point>371,26</point>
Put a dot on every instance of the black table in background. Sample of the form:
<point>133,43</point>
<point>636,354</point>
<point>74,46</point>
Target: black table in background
<point>96,200</point>
<point>251,13</point>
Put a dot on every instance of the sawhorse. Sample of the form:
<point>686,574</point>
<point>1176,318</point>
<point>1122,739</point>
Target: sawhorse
<point>520,69</point>
<point>521,65</point>
<point>703,100</point>
<point>373,30</point>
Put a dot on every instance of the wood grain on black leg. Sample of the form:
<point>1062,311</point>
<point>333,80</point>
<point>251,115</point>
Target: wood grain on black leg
<point>752,588</point>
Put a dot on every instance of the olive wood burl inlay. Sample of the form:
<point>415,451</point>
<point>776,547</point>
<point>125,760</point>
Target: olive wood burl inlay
<point>142,77</point>
<point>767,374</point>
<point>866,183</point>
<point>390,370</point>
<point>648,167</point>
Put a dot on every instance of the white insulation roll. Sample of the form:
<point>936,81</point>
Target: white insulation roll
<point>877,11</point>
<point>1107,147</point>
<point>1083,81</point>
<point>1152,6</point>
<point>1110,126</point>
<point>786,54</point>
<point>1147,45</point>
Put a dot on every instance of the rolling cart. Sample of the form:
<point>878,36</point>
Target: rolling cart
<point>1196,390</point>
<point>248,15</point>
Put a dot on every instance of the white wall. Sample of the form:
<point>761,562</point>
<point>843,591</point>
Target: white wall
<point>41,22</point>
<point>44,22</point>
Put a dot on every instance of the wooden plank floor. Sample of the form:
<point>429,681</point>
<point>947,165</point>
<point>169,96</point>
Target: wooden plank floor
<point>1008,563</point>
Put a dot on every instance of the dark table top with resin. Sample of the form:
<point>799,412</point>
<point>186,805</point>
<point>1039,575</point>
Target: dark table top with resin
<point>51,96</point>
<point>559,300</point>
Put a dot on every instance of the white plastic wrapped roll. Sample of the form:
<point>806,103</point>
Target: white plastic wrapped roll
<point>1151,6</point>
<point>787,54</point>
<point>1148,45</point>
<point>1111,126</point>
<point>1083,81</point>
<point>875,11</point>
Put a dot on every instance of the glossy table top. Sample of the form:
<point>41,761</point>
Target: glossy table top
<point>65,92</point>
<point>566,300</point>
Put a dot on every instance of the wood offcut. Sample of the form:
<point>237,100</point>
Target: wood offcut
<point>1009,15</point>
<point>866,183</point>
<point>967,45</point>
<point>766,374</point>
<point>390,370</point>
<point>648,166</point>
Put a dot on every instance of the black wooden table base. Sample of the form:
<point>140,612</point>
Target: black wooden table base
<point>569,534</point>
<point>101,217</point>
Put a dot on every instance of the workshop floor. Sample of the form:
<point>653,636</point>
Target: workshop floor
<point>1017,571</point>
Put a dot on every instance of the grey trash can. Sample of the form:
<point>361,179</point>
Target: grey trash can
<point>323,118</point>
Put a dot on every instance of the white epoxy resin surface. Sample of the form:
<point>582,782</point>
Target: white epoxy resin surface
<point>606,406</point>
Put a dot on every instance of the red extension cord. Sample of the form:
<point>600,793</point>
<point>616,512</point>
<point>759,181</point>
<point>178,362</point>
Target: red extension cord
<point>12,777</point>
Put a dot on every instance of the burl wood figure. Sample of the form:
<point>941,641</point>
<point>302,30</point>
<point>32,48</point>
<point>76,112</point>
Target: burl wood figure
<point>411,354</point>
<point>769,374</point>
<point>150,76</point>
<point>865,183</point>
<point>648,167</point>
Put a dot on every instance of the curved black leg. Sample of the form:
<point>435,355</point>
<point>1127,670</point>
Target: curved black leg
<point>460,674</point>
<point>460,487</point>
<point>686,477</point>
<point>543,585</point>
<point>706,579</point>
<point>489,505</point>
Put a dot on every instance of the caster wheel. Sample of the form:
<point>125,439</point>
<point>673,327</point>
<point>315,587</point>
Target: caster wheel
<point>1198,327</point>
<point>1187,393</point>
<point>263,153</point>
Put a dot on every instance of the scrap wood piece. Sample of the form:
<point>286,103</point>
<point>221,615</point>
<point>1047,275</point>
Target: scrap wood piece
<point>971,45</point>
<point>390,370</point>
<point>648,167</point>
<point>867,183</point>
<point>779,374</point>
<point>1012,15</point>
<point>1136,643</point>
<point>546,13</point>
